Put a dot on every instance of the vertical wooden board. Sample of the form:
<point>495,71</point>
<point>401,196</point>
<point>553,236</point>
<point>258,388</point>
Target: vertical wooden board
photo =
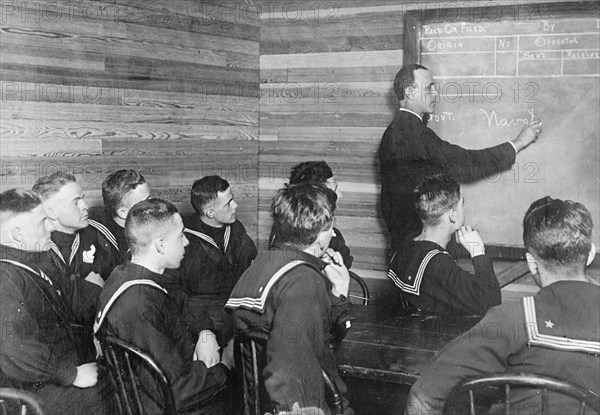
<point>412,46</point>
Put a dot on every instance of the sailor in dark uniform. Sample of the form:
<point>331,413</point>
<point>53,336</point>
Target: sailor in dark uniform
<point>120,191</point>
<point>219,252</point>
<point>430,280</point>
<point>75,245</point>
<point>296,295</point>
<point>136,307</point>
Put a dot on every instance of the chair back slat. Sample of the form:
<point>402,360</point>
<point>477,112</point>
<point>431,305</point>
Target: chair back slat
<point>544,401</point>
<point>17,399</point>
<point>245,387</point>
<point>471,403</point>
<point>255,374</point>
<point>139,408</point>
<point>117,381</point>
<point>125,362</point>
<point>489,386</point>
<point>251,365</point>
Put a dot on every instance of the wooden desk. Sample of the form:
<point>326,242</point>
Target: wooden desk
<point>394,349</point>
<point>381,346</point>
<point>384,347</point>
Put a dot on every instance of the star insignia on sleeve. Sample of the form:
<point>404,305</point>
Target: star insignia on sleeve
<point>549,324</point>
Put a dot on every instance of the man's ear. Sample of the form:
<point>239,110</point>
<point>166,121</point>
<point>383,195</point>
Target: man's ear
<point>17,234</point>
<point>453,216</point>
<point>159,246</point>
<point>410,91</point>
<point>591,255</point>
<point>209,213</point>
<point>122,212</point>
<point>322,239</point>
<point>50,211</point>
<point>531,263</point>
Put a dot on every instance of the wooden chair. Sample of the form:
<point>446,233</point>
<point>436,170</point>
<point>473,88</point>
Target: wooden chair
<point>463,397</point>
<point>363,286</point>
<point>125,364</point>
<point>250,359</point>
<point>19,402</point>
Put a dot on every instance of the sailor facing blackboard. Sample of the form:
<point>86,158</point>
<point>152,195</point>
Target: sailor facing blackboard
<point>410,151</point>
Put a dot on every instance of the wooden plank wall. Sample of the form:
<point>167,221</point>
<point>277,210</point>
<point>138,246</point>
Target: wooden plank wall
<point>326,72</point>
<point>167,87</point>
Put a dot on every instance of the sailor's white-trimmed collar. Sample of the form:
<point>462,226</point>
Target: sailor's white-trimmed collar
<point>412,112</point>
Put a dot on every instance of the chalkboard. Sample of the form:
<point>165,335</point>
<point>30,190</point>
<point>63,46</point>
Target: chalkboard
<point>496,69</point>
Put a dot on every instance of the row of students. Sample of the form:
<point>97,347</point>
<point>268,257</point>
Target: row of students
<point>300,285</point>
<point>72,257</point>
<point>156,240</point>
<point>85,246</point>
<point>42,352</point>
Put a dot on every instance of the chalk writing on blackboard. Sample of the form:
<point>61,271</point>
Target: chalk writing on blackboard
<point>542,49</point>
<point>495,121</point>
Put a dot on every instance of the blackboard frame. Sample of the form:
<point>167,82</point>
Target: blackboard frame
<point>415,19</point>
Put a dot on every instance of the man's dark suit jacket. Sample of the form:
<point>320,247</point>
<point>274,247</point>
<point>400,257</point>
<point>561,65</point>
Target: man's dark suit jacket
<point>410,151</point>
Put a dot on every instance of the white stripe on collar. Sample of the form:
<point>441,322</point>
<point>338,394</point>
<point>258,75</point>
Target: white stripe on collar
<point>104,230</point>
<point>211,240</point>
<point>102,313</point>
<point>74,248</point>
<point>415,286</point>
<point>258,303</point>
<point>535,338</point>
<point>412,112</point>
<point>28,268</point>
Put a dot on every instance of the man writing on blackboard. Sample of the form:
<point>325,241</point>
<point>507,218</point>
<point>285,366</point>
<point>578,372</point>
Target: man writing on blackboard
<point>410,151</point>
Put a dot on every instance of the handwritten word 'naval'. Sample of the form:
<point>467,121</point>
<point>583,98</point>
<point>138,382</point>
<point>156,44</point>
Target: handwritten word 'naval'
<point>494,121</point>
